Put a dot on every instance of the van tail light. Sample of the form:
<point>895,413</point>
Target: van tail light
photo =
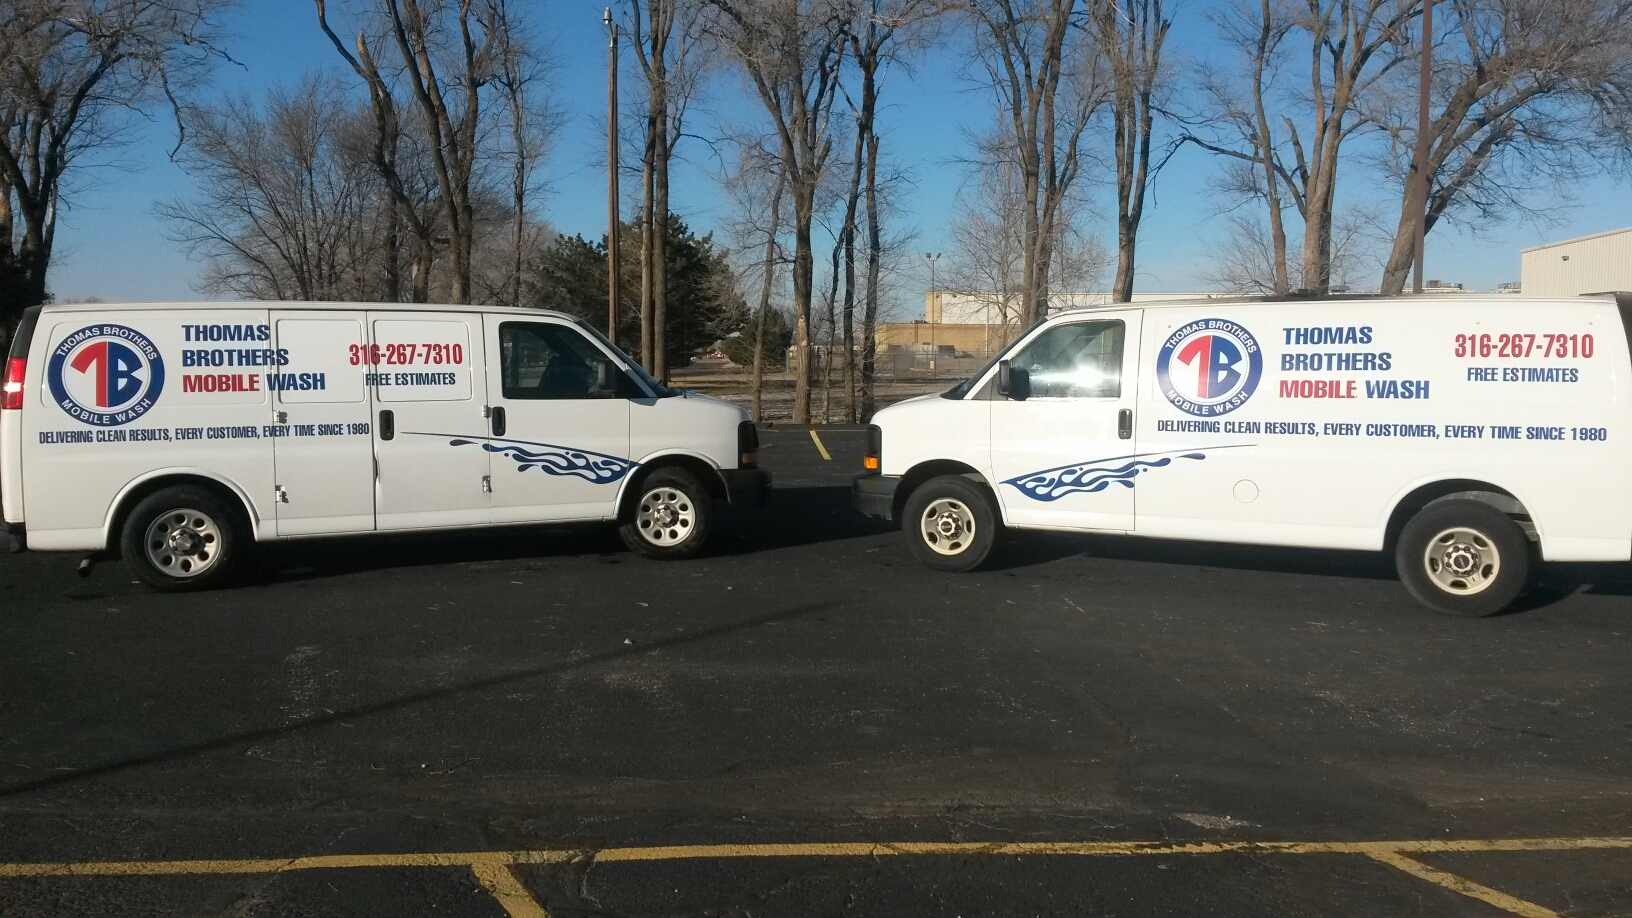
<point>872,460</point>
<point>747,445</point>
<point>11,397</point>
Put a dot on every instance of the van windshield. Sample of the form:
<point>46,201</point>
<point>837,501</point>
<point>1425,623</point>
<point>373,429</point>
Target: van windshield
<point>630,363</point>
<point>962,389</point>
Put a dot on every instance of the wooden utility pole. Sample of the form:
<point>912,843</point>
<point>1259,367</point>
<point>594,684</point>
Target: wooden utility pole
<point>1419,174</point>
<point>611,178</point>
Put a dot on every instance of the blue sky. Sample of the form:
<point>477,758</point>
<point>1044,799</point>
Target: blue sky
<point>111,246</point>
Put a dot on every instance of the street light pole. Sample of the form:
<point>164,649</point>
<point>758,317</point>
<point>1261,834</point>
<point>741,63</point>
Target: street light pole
<point>612,222</point>
<point>935,293</point>
<point>1420,172</point>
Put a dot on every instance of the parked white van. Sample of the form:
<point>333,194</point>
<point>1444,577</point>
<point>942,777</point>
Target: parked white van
<point>1465,434</point>
<point>175,435</point>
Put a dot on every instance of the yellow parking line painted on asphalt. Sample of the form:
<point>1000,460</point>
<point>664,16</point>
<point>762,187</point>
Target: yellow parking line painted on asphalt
<point>500,881</point>
<point>1463,885</point>
<point>493,868</point>
<point>819,447</point>
<point>278,865</point>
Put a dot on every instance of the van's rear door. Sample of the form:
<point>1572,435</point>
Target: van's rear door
<point>322,409</point>
<point>11,421</point>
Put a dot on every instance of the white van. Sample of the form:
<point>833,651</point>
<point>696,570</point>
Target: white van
<point>1464,433</point>
<point>177,434</point>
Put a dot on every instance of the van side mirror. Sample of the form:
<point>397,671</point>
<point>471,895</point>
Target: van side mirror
<point>604,379</point>
<point>1019,383</point>
<point>1005,377</point>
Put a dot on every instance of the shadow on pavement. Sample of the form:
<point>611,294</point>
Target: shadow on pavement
<point>792,517</point>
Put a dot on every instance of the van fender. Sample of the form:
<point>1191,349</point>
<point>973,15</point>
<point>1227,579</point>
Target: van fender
<point>922,470</point>
<point>264,529</point>
<point>688,458</point>
<point>1458,482</point>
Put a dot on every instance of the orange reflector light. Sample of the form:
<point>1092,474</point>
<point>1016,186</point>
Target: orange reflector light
<point>870,463</point>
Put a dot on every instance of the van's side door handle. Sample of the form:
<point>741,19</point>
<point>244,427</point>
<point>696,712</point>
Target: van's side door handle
<point>388,424</point>
<point>498,422</point>
<point>1124,424</point>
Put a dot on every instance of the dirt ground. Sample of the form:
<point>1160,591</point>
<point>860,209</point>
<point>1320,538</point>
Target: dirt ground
<point>724,379</point>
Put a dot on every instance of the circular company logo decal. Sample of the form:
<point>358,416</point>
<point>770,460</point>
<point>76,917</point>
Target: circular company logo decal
<point>105,375</point>
<point>1209,367</point>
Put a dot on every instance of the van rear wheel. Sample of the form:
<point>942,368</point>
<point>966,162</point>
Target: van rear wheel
<point>673,517</point>
<point>1463,557</point>
<point>183,538</point>
<point>950,523</point>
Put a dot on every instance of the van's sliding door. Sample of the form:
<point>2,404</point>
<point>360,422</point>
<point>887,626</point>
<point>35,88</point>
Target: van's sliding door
<point>430,419</point>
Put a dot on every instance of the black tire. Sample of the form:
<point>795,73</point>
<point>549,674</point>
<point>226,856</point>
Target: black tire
<point>950,523</point>
<point>1463,557</point>
<point>672,518</point>
<point>185,538</point>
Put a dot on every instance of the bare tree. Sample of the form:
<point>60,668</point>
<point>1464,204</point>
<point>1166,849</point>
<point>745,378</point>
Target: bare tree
<point>664,34</point>
<point>1529,92</point>
<point>768,266</point>
<point>989,244</point>
<point>71,71</point>
<point>792,52</point>
<point>286,208</point>
<point>1255,29</point>
<point>385,155</point>
<point>880,31</point>
<point>1044,84</point>
<point>1131,35</point>
<point>532,122</point>
<point>1249,259</point>
<point>1349,48</point>
<point>448,51</point>
<point>756,187</point>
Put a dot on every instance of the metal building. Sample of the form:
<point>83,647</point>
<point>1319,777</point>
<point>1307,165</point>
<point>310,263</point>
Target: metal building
<point>1598,263</point>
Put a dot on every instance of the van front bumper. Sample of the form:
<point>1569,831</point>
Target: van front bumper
<point>746,489</point>
<point>873,495</point>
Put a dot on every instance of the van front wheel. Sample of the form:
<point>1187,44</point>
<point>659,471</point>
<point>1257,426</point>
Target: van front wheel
<point>950,523</point>
<point>183,538</point>
<point>672,518</point>
<point>1463,557</point>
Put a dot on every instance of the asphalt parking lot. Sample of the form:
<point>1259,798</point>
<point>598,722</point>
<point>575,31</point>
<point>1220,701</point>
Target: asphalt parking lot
<point>807,722</point>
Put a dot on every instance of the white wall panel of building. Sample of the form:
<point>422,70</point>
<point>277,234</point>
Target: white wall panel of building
<point>1590,264</point>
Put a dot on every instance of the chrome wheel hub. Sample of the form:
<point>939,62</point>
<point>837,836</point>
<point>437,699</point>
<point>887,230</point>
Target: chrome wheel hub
<point>947,526</point>
<point>1462,561</point>
<point>666,516</point>
<point>183,543</point>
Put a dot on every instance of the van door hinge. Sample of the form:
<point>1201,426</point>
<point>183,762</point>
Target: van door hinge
<point>283,496</point>
<point>282,417</point>
<point>487,484</point>
<point>487,411</point>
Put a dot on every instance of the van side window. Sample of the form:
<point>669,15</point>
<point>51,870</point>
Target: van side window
<point>546,361</point>
<point>1078,360</point>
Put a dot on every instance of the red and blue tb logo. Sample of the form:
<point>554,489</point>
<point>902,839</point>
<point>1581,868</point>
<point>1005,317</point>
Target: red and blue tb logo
<point>106,375</point>
<point>1209,367</point>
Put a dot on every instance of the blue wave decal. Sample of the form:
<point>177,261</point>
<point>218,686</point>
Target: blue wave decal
<point>558,460</point>
<point>1094,475</point>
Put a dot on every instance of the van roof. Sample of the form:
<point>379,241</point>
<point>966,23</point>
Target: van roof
<point>1437,299</point>
<point>307,304</point>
